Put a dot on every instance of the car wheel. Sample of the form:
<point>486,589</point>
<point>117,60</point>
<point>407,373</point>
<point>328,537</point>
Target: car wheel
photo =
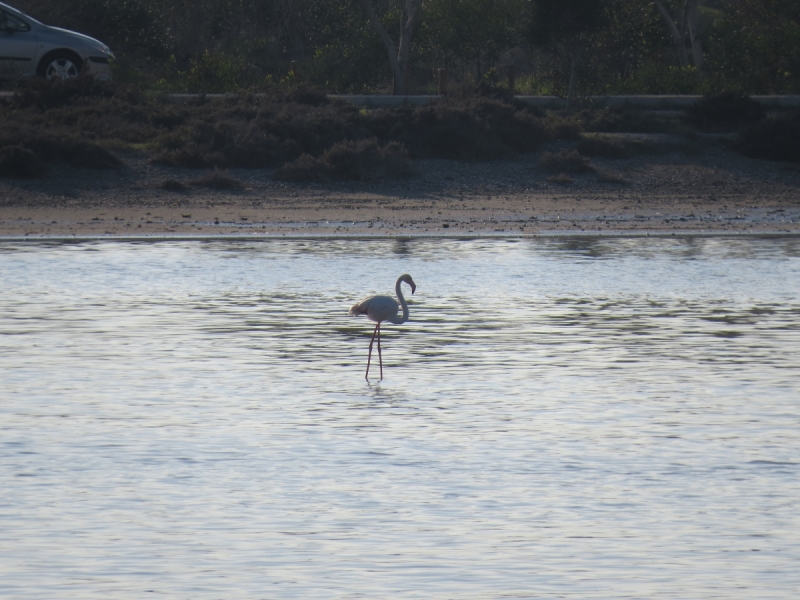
<point>62,67</point>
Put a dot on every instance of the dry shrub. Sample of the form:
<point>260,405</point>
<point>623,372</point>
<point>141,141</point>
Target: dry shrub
<point>363,160</point>
<point>227,144</point>
<point>462,129</point>
<point>611,178</point>
<point>172,185</point>
<point>44,94</point>
<point>626,120</point>
<point>304,94</point>
<point>16,161</point>
<point>602,146</point>
<point>567,161</point>
<point>217,180</point>
<point>564,128</point>
<point>60,147</point>
<point>560,179</point>
<point>772,139</point>
<point>265,131</point>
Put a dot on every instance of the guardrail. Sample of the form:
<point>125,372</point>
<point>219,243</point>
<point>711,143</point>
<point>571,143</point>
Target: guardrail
<point>544,102</point>
<point>555,103</point>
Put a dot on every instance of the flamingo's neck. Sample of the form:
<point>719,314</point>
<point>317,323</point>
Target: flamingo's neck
<point>403,304</point>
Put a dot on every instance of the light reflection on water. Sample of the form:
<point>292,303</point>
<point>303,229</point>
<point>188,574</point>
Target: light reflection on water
<point>562,418</point>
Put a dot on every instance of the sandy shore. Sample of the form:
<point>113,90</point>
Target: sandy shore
<point>681,185</point>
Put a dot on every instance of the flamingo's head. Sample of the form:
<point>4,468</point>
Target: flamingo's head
<point>407,279</point>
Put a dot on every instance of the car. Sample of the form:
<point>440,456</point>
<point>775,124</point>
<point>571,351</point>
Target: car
<point>29,48</point>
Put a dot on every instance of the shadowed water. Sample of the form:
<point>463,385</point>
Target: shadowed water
<point>612,418</point>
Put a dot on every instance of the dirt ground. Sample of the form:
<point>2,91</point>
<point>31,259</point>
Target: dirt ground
<point>677,185</point>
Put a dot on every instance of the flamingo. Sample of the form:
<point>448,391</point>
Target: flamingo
<point>383,308</point>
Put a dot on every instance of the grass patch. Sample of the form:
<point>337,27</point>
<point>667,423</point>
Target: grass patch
<point>217,180</point>
<point>566,161</point>
<point>362,160</point>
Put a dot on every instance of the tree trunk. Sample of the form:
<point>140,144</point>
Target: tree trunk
<point>576,58</point>
<point>398,53</point>
<point>697,48</point>
<point>677,34</point>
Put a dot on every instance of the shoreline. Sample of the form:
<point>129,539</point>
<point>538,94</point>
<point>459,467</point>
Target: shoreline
<point>674,186</point>
<point>266,237</point>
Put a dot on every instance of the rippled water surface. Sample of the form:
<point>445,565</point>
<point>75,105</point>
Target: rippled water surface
<point>612,418</point>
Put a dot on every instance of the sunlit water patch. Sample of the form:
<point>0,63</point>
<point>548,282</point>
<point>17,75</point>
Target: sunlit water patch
<point>560,419</point>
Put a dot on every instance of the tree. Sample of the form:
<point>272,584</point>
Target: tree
<point>679,28</point>
<point>476,31</point>
<point>399,53</point>
<point>568,23</point>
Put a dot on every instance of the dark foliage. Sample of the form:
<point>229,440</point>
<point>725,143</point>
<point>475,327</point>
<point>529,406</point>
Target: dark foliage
<point>16,161</point>
<point>564,128</point>
<point>363,160</point>
<point>772,139</point>
<point>47,94</point>
<point>623,120</point>
<point>259,132</point>
<point>225,144</point>
<point>567,161</point>
<point>304,94</point>
<point>557,20</point>
<point>469,129</point>
<point>65,148</point>
<point>725,111</point>
<point>604,147</point>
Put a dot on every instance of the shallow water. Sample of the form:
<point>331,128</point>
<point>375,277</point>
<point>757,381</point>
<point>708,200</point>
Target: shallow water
<point>613,418</point>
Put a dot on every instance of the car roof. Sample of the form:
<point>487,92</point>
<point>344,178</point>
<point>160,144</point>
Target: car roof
<point>16,11</point>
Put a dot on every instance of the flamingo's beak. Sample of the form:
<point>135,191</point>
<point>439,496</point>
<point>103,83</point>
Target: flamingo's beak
<point>413,287</point>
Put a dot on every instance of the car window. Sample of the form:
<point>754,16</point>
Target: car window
<point>13,23</point>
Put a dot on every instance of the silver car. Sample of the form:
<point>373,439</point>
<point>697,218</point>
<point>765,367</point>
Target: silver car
<point>29,48</point>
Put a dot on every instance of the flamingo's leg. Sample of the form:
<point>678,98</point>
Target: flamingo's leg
<point>369,356</point>
<point>380,359</point>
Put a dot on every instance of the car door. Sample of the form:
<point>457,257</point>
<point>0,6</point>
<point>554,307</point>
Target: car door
<point>17,47</point>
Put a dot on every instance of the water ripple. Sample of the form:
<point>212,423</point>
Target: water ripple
<point>561,418</point>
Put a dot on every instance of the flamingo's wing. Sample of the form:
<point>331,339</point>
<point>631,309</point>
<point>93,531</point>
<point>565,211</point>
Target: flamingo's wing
<point>360,308</point>
<point>377,308</point>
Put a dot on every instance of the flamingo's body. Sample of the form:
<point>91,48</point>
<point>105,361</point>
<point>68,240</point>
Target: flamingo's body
<point>383,308</point>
